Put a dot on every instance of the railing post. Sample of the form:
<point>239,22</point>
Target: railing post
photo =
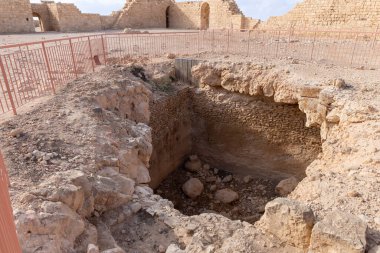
<point>92,57</point>
<point>353,51</point>
<point>278,42</point>
<point>249,39</point>
<point>213,41</point>
<point>8,235</point>
<point>198,43</point>
<point>7,86</point>
<point>73,58</point>
<point>312,48</point>
<point>104,50</point>
<point>228,41</point>
<point>48,67</point>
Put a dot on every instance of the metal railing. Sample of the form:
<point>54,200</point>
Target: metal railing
<point>31,70</point>
<point>8,238</point>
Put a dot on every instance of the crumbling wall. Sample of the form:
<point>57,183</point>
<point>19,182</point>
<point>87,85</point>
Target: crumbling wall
<point>252,135</point>
<point>224,14</point>
<point>16,16</point>
<point>341,14</point>
<point>171,134</point>
<point>48,15</point>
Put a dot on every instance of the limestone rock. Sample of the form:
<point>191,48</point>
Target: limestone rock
<point>92,249</point>
<point>288,220</point>
<point>112,191</point>
<point>173,248</point>
<point>339,232</point>
<point>226,196</point>
<point>194,164</point>
<point>286,186</point>
<point>193,188</point>
<point>375,249</point>
<point>171,56</point>
<point>339,83</point>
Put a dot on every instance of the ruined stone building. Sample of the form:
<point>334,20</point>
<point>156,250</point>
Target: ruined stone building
<point>332,14</point>
<point>63,17</point>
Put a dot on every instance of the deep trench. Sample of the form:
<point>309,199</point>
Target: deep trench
<point>235,135</point>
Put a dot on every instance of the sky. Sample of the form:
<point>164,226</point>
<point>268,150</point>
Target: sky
<point>261,9</point>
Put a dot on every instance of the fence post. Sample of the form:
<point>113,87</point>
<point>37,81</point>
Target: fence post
<point>104,50</point>
<point>213,41</point>
<point>199,53</point>
<point>7,86</point>
<point>278,42</point>
<point>48,67</point>
<point>228,41</point>
<point>249,39</point>
<point>312,48</point>
<point>353,51</point>
<point>8,236</point>
<point>92,57</point>
<point>73,58</point>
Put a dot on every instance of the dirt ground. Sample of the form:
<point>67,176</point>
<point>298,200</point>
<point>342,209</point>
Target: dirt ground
<point>8,39</point>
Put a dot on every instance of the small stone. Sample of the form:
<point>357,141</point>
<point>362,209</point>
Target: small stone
<point>247,179</point>
<point>353,194</point>
<point>213,188</point>
<point>193,188</point>
<point>339,83</point>
<point>210,179</point>
<point>136,207</point>
<point>16,133</point>
<point>216,171</point>
<point>92,248</point>
<point>206,166</point>
<point>377,220</point>
<point>226,196</point>
<point>227,179</point>
<point>171,56</point>
<point>286,186</point>
<point>194,164</point>
<point>161,249</point>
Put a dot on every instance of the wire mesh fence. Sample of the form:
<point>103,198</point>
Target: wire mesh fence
<point>32,70</point>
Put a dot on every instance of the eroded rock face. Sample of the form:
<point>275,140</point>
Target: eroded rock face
<point>339,232</point>
<point>290,221</point>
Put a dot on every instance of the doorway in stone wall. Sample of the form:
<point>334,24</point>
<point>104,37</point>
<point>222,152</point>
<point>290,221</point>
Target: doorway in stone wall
<point>167,13</point>
<point>205,16</point>
<point>38,26</point>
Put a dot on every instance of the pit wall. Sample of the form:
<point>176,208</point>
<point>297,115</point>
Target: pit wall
<point>16,16</point>
<point>330,14</point>
<point>252,135</point>
<point>171,134</point>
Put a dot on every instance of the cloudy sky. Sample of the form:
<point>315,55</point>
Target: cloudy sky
<point>254,8</point>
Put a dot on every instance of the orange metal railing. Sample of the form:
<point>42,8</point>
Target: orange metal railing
<point>31,70</point>
<point>8,237</point>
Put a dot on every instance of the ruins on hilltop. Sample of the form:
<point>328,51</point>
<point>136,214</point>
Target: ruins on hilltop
<point>64,17</point>
<point>332,14</point>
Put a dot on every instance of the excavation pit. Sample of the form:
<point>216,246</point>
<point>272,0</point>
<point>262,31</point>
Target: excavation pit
<point>245,145</point>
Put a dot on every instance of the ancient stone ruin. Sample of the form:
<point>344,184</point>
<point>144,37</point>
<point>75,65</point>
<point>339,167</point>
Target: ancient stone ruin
<point>17,16</point>
<point>203,151</point>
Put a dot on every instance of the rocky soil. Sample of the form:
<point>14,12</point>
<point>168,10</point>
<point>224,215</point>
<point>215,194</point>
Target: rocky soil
<point>78,166</point>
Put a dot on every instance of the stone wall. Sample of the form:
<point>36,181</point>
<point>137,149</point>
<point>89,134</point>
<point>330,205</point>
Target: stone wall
<point>16,16</point>
<point>144,14</point>
<point>171,134</point>
<point>185,15</point>
<point>341,14</point>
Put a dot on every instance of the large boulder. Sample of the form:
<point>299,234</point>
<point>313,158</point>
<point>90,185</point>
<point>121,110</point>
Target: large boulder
<point>339,232</point>
<point>288,220</point>
<point>193,188</point>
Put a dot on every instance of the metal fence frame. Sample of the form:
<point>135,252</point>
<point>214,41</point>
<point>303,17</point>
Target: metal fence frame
<point>31,70</point>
